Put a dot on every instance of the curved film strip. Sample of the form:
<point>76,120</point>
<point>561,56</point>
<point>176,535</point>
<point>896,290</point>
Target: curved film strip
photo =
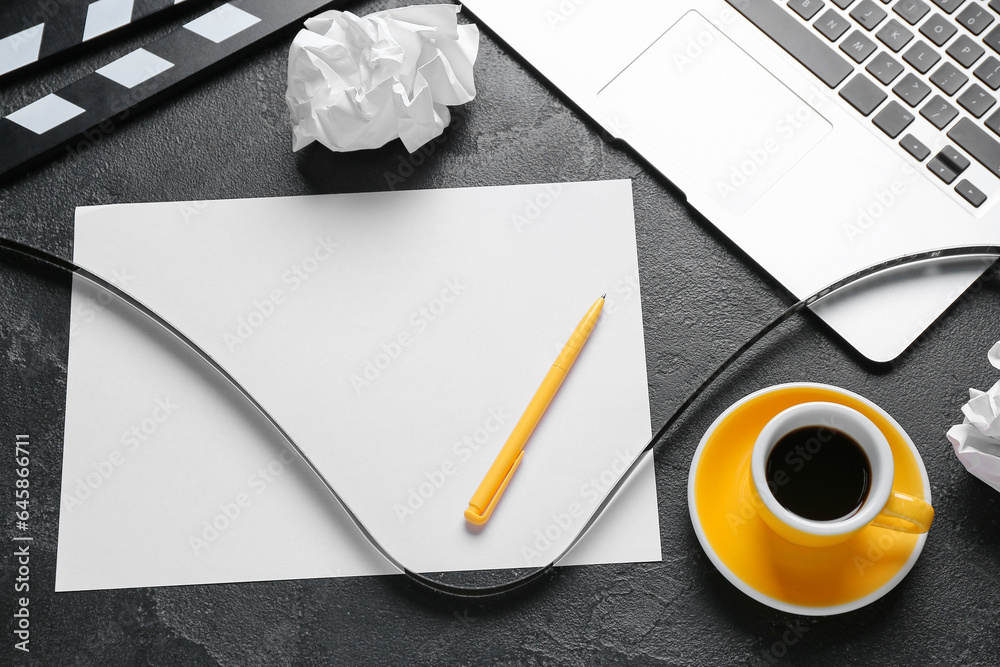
<point>519,579</point>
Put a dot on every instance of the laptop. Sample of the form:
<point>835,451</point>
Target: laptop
<point>820,136</point>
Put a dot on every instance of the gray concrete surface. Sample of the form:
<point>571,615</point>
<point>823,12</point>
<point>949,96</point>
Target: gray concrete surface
<point>229,137</point>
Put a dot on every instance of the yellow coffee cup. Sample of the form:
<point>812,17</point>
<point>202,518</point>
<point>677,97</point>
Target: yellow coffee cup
<point>813,434</point>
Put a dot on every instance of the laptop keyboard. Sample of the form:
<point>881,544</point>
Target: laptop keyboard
<point>893,59</point>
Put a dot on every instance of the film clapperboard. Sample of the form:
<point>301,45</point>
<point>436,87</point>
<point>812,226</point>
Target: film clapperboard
<point>41,128</point>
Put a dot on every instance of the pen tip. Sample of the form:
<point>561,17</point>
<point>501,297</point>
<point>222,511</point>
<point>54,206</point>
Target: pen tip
<point>604,295</point>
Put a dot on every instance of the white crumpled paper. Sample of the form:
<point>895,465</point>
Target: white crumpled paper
<point>360,82</point>
<point>977,441</point>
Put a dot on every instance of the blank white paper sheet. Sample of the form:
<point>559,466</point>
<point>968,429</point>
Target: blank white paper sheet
<point>397,337</point>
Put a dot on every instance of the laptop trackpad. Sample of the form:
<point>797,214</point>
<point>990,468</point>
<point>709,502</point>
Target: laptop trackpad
<point>720,117</point>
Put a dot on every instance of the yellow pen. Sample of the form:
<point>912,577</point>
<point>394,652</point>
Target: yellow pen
<point>485,499</point>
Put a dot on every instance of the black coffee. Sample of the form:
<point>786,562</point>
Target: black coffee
<point>819,473</point>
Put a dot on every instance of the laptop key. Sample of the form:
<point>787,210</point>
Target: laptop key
<point>921,56</point>
<point>911,89</point>
<point>862,94</point>
<point>965,51</point>
<point>858,47</point>
<point>893,119</point>
<point>911,10</point>
<point>868,14</point>
<point>948,78</point>
<point>992,39</point>
<point>939,112</point>
<point>914,147</point>
<point>942,170</point>
<point>885,68</point>
<point>989,73</point>
<point>831,25</point>
<point>806,8</point>
<point>795,38</point>
<point>843,4</point>
<point>894,35</point>
<point>970,193</point>
<point>938,30</point>
<point>993,122</point>
<point>957,161</point>
<point>976,101</point>
<point>949,6</point>
<point>975,18</point>
<point>978,144</point>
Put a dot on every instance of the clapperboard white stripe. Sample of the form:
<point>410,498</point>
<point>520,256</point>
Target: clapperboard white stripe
<point>106,15</point>
<point>31,31</point>
<point>44,114</point>
<point>91,107</point>
<point>222,23</point>
<point>135,68</point>
<point>21,48</point>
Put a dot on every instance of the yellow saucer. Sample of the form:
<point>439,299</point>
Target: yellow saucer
<point>815,581</point>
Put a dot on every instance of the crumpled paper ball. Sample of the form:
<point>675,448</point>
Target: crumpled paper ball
<point>977,441</point>
<point>360,82</point>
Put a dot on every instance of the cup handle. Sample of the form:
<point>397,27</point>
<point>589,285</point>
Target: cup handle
<point>905,514</point>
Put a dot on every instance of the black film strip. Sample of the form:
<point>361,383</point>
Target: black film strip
<point>522,578</point>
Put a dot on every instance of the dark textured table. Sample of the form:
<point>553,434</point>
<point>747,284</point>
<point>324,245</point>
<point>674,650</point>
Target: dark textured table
<point>229,137</point>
